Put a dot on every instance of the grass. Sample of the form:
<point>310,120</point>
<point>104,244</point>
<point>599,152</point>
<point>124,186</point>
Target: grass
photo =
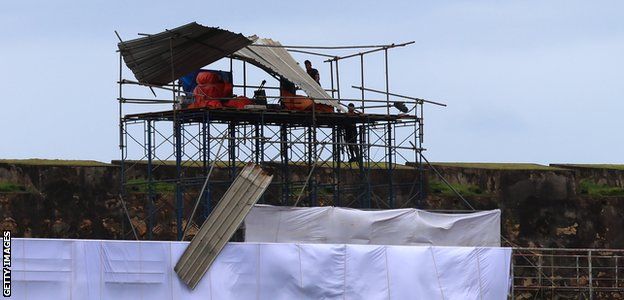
<point>590,187</point>
<point>8,187</point>
<point>54,162</point>
<point>496,166</point>
<point>225,164</point>
<point>141,186</point>
<point>197,164</point>
<point>596,166</point>
<point>440,188</point>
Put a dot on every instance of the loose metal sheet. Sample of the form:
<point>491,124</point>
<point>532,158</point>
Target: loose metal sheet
<point>222,223</point>
<point>269,55</point>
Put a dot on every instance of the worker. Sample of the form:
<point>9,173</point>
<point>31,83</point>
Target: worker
<point>351,136</point>
<point>314,73</point>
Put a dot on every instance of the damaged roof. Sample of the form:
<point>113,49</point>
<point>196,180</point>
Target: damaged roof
<point>270,56</point>
<point>162,58</point>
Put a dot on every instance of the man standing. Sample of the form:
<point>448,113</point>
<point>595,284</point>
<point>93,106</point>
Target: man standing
<point>351,136</point>
<point>314,73</point>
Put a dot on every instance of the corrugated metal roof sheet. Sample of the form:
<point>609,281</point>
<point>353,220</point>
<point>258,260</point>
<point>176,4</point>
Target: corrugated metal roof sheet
<point>194,46</point>
<point>278,60</point>
<point>217,230</point>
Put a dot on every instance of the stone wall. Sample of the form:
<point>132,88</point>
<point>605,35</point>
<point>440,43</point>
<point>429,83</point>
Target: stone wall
<point>541,207</point>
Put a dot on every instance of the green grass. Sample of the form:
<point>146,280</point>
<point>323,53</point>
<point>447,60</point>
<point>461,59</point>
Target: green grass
<point>8,187</point>
<point>295,189</point>
<point>440,188</point>
<point>496,166</point>
<point>54,162</point>
<point>225,164</point>
<point>141,186</point>
<point>596,166</point>
<point>590,187</point>
<point>197,164</point>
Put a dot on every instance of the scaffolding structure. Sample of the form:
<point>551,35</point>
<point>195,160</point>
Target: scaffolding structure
<point>175,148</point>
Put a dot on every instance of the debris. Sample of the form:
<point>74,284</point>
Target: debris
<point>222,223</point>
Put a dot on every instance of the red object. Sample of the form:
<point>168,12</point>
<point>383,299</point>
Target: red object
<point>302,103</point>
<point>295,102</point>
<point>238,102</point>
<point>207,77</point>
<point>210,90</point>
<point>207,103</point>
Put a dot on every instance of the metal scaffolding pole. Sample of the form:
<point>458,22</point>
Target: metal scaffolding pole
<point>361,77</point>
<point>206,140</point>
<point>150,180</point>
<point>179,189</point>
<point>284,148</point>
<point>390,166</point>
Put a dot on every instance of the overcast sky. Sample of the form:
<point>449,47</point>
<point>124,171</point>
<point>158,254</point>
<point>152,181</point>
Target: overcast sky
<point>525,81</point>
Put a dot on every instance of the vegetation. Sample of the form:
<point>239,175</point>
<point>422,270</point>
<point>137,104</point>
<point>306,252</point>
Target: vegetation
<point>54,162</point>
<point>496,166</point>
<point>597,166</point>
<point>224,164</point>
<point>590,187</point>
<point>441,188</point>
<point>141,186</point>
<point>9,187</point>
<point>197,164</point>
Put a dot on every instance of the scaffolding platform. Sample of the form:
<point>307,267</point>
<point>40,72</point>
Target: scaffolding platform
<point>269,117</point>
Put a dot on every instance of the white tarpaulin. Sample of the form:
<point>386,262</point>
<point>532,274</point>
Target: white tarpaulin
<point>119,270</point>
<point>334,225</point>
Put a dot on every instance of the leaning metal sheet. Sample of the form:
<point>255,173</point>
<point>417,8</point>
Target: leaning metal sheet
<point>236,203</point>
<point>271,56</point>
<point>124,270</point>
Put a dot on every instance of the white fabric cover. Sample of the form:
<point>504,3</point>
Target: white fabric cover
<point>335,225</point>
<point>119,270</point>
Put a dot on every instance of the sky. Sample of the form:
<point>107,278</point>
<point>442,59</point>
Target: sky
<point>525,81</point>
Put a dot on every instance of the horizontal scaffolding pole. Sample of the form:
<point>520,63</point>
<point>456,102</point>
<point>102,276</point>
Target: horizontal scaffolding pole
<point>337,58</point>
<point>145,101</point>
<point>311,53</point>
<point>398,95</point>
<point>333,47</point>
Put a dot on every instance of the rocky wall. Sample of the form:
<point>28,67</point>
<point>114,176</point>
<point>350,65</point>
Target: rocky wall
<point>540,207</point>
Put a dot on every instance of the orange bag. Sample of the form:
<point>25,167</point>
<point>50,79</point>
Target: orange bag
<point>207,103</point>
<point>302,103</point>
<point>209,90</point>
<point>238,102</point>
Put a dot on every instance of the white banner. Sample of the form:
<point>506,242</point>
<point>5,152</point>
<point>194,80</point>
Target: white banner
<point>335,225</point>
<point>119,270</point>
